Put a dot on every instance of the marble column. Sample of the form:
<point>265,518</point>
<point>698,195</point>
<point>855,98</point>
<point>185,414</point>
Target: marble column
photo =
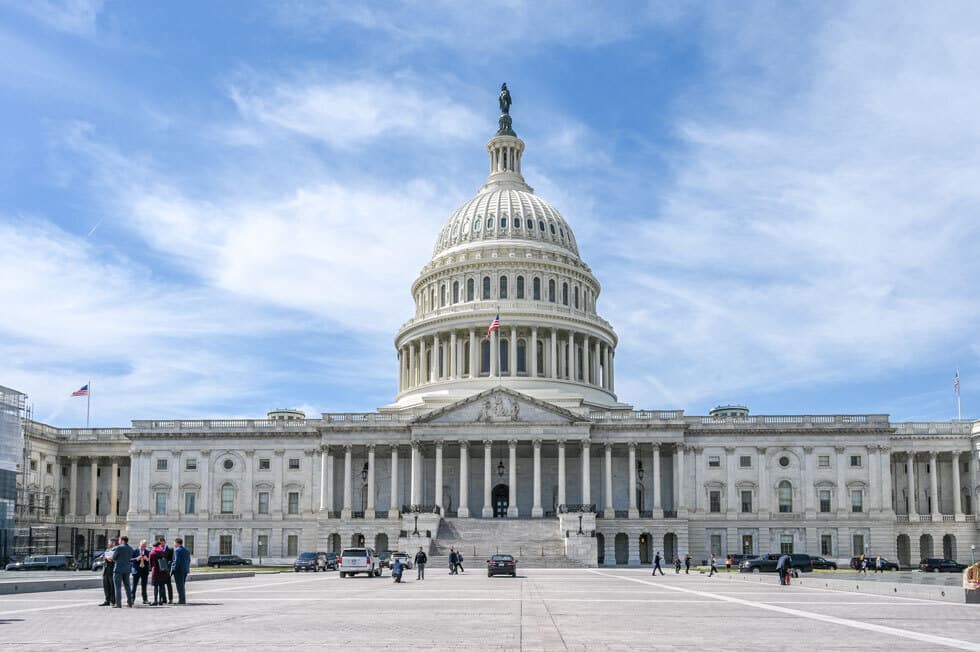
<point>347,481</point>
<point>414,483</point>
<point>133,497</point>
<point>681,505</point>
<point>453,361</point>
<point>572,357</point>
<point>394,509</point>
<point>561,473</point>
<point>957,489</point>
<point>873,472</point>
<point>533,362</point>
<point>886,479</point>
<point>438,493</point>
<point>94,489</point>
<point>605,369</point>
<point>423,368</point>
<point>512,352</point>
<point>474,355</point>
<point>369,510</point>
<point>411,366</point>
<point>730,480</point>
<point>73,487</point>
<point>698,465</point>
<point>512,511</point>
<point>323,479</point>
<point>634,511</point>
<point>586,352</point>
<point>612,370</point>
<point>464,480</point>
<point>487,479</point>
<point>586,473</point>
<point>554,354</point>
<point>841,488</point>
<point>934,486</point>
<point>114,488</point>
<point>596,365</point>
<point>763,483</point>
<point>910,474</point>
<point>806,484</point>
<point>655,480</point>
<point>434,367</point>
<point>608,509</point>
<point>536,510</point>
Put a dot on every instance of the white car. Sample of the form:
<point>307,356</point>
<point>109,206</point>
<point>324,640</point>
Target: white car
<point>359,560</point>
<point>406,560</point>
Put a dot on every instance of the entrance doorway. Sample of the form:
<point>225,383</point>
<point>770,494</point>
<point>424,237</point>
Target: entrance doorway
<point>645,544</point>
<point>501,500</point>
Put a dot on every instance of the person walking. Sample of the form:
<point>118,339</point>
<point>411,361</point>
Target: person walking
<point>863,565</point>
<point>656,564</point>
<point>453,562</point>
<point>728,564</point>
<point>122,558</point>
<point>107,567</point>
<point>687,564</point>
<point>180,567</point>
<point>714,565</point>
<point>782,568</point>
<point>141,569</point>
<point>159,574</point>
<point>879,566</point>
<point>420,561</point>
<point>677,565</point>
<point>459,561</point>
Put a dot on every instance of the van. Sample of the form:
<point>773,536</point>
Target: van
<point>359,560</point>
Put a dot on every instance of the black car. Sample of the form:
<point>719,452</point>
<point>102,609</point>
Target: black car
<point>502,565</point>
<point>872,562</point>
<point>767,563</point>
<point>819,563</point>
<point>332,560</point>
<point>214,561</point>
<point>310,561</point>
<point>939,565</point>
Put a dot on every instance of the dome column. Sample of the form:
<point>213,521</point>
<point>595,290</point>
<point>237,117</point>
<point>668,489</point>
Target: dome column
<point>474,369</point>
<point>554,354</point>
<point>533,367</point>
<point>586,353</point>
<point>453,362</point>
<point>422,361</point>
<point>572,357</point>
<point>512,352</point>
<point>434,367</point>
<point>597,361</point>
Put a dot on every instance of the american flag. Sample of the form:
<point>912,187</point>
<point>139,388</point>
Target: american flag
<point>494,326</point>
<point>956,383</point>
<point>81,391</point>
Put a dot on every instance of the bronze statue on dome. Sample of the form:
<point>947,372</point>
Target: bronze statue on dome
<point>504,100</point>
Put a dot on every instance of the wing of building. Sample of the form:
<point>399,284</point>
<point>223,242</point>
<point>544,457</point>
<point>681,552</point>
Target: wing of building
<point>510,438</point>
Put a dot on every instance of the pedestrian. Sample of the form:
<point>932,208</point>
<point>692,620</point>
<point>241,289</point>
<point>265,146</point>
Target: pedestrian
<point>420,560</point>
<point>677,565</point>
<point>453,561</point>
<point>159,573</point>
<point>396,570</point>
<point>656,564</point>
<point>122,558</point>
<point>141,569</point>
<point>179,568</point>
<point>863,565</point>
<point>107,567</point>
<point>714,565</point>
<point>687,564</point>
<point>728,564</point>
<point>168,555</point>
<point>459,561</point>
<point>782,568</point>
<point>879,566</point>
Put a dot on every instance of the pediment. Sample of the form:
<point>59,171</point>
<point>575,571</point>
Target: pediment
<point>500,405</point>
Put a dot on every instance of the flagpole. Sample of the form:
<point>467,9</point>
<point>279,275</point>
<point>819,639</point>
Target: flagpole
<point>88,403</point>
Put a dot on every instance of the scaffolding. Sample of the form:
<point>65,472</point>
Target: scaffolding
<point>12,414</point>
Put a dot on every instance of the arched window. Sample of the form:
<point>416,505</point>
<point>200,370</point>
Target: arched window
<point>502,288</point>
<point>530,224</point>
<point>227,498</point>
<point>575,296</point>
<point>504,356</point>
<point>521,357</point>
<point>432,299</point>
<point>455,291</point>
<point>536,289</point>
<point>489,223</point>
<point>540,358</point>
<point>485,358</point>
<point>785,497</point>
<point>520,284</point>
<point>470,289</point>
<point>541,224</point>
<point>503,222</point>
<point>551,290</point>
<point>442,295</point>
<point>579,360</point>
<point>486,288</point>
<point>564,293</point>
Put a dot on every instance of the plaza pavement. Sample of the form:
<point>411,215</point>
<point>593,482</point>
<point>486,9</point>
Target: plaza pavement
<point>561,609</point>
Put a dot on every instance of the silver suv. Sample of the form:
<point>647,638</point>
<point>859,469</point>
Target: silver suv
<point>359,560</point>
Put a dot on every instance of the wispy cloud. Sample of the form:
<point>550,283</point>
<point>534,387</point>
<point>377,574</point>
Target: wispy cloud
<point>78,17</point>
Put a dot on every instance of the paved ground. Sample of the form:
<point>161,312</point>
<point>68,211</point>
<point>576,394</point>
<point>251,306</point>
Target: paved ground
<point>623,609</point>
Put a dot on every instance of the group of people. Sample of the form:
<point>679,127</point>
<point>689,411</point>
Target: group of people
<point>127,568</point>
<point>864,563</point>
<point>397,567</point>
<point>657,559</point>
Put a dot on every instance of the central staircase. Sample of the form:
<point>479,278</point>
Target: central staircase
<point>535,543</point>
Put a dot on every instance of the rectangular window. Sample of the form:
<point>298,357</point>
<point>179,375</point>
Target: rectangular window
<point>293,502</point>
<point>263,502</point>
<point>191,464</point>
<point>857,502</point>
<point>64,471</point>
<point>746,502</point>
<point>855,461</point>
<point>264,464</point>
<point>33,465</point>
<point>190,502</point>
<point>745,461</point>
<point>224,544</point>
<point>826,545</point>
<point>292,545</point>
<point>786,544</point>
<point>262,545</point>
<point>189,543</point>
<point>161,502</point>
<point>714,462</point>
<point>824,500</point>
<point>716,544</point>
<point>49,468</point>
<point>823,461</point>
<point>161,464</point>
<point>857,545</point>
<point>294,464</point>
<point>714,501</point>
<point>747,545</point>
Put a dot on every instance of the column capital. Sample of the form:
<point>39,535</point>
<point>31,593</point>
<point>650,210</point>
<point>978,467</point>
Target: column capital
<point>807,450</point>
<point>439,443</point>
<point>309,452</point>
<point>933,455</point>
<point>655,445</point>
<point>249,454</point>
<point>697,449</point>
<point>205,452</point>
<point>176,454</point>
<point>371,447</point>
<point>839,449</point>
<point>761,450</point>
<point>487,443</point>
<point>632,445</point>
<point>729,449</point>
<point>680,448</point>
<point>512,443</point>
<point>464,444</point>
<point>607,445</point>
<point>586,443</point>
<point>325,448</point>
<point>536,443</point>
<point>347,447</point>
<point>279,453</point>
<point>561,443</point>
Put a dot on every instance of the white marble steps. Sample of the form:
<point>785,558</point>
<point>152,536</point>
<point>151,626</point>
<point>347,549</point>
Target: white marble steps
<point>536,543</point>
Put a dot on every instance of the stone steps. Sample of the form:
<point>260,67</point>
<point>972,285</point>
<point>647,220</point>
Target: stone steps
<point>536,543</point>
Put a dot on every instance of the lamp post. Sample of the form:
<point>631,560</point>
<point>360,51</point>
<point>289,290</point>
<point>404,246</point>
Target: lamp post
<point>972,554</point>
<point>580,524</point>
<point>416,530</point>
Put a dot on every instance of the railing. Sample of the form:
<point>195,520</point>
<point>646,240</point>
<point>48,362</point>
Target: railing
<point>670,513</point>
<point>786,516</point>
<point>226,517</point>
<point>576,508</point>
<point>636,415</point>
<point>224,424</point>
<point>485,307</point>
<point>901,518</point>
<point>357,514</point>
<point>77,434</point>
<point>948,517</point>
<point>933,428</point>
<point>368,417</point>
<point>790,420</point>
<point>421,509</point>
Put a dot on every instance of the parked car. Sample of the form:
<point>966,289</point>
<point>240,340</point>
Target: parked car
<point>15,565</point>
<point>767,563</point>
<point>332,561</point>
<point>939,565</point>
<point>45,562</point>
<point>819,563</point>
<point>98,561</point>
<point>502,565</point>
<point>885,564</point>
<point>385,558</point>
<point>359,560</point>
<point>214,561</point>
<point>404,556</point>
<point>310,561</point>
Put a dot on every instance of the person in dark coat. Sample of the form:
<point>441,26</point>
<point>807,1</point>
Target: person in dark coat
<point>169,555</point>
<point>782,568</point>
<point>396,570</point>
<point>677,565</point>
<point>656,564</point>
<point>453,562</point>
<point>107,569</point>
<point>420,560</point>
<point>687,564</point>
<point>159,575</point>
<point>179,569</point>
<point>141,569</point>
<point>122,558</point>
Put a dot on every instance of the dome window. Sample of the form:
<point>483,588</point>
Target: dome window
<point>551,290</point>
<point>517,222</point>
<point>552,229</point>
<point>455,291</point>
<point>530,224</point>
<point>536,289</point>
<point>562,231</point>
<point>503,222</point>
<point>541,224</point>
<point>564,293</point>
<point>476,224</point>
<point>486,288</point>
<point>520,281</point>
<point>470,289</point>
<point>502,288</point>
<point>489,223</point>
<point>575,296</point>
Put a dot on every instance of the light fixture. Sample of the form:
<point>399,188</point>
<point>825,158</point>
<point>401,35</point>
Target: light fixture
<point>500,469</point>
<point>639,469</point>
<point>364,472</point>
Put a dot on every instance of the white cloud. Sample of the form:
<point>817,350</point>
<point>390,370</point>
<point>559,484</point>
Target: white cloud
<point>79,17</point>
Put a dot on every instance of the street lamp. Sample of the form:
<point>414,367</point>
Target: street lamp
<point>364,472</point>
<point>500,469</point>
<point>639,469</point>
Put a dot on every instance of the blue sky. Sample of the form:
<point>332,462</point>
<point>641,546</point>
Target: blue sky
<point>214,209</point>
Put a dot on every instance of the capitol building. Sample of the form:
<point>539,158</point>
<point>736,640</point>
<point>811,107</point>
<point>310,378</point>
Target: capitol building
<point>516,441</point>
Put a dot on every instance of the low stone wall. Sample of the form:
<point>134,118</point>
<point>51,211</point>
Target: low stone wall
<point>896,589</point>
<point>95,581</point>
